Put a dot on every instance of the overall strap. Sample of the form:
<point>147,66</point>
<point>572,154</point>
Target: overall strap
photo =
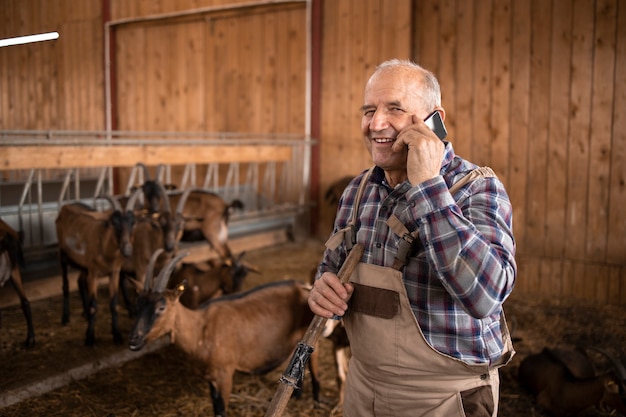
<point>348,233</point>
<point>408,239</point>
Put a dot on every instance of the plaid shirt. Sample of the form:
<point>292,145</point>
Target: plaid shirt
<point>463,267</point>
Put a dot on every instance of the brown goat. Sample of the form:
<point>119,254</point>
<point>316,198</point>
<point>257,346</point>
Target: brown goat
<point>251,332</point>
<point>152,231</point>
<point>95,243</point>
<point>565,384</point>
<point>211,279</point>
<point>206,217</point>
<point>11,257</point>
<point>206,214</point>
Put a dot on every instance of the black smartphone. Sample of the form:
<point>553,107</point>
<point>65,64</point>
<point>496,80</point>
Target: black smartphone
<point>436,124</point>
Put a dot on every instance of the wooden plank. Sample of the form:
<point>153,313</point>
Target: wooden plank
<point>21,157</point>
<point>580,121</point>
<point>429,26</point>
<point>556,178</point>
<point>464,138</point>
<point>539,112</point>
<point>267,83</point>
<point>600,144</point>
<point>131,80</point>
<point>614,286</point>
<point>500,90</point>
<point>616,235</point>
<point>483,56</point>
<point>520,107</point>
<point>550,271</point>
<point>446,72</point>
<point>296,36</point>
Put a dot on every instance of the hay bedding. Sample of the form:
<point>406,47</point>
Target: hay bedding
<point>164,383</point>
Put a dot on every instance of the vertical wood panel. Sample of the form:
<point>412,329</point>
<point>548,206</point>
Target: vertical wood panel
<point>520,110</point>
<point>483,49</point>
<point>131,58</point>
<point>600,143</point>
<point>447,64</point>
<point>616,239</point>
<point>580,118</point>
<point>556,178</point>
<point>538,124</point>
<point>500,91</point>
<point>464,114</point>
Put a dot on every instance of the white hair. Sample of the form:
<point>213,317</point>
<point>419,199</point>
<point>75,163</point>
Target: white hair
<point>431,93</point>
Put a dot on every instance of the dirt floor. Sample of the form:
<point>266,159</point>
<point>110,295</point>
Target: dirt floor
<point>164,383</point>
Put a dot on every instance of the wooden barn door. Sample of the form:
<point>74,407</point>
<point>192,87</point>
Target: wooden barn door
<point>240,70</point>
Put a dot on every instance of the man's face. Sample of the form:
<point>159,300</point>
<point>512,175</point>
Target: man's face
<point>390,102</point>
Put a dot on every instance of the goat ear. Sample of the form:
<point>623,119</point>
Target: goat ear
<point>137,284</point>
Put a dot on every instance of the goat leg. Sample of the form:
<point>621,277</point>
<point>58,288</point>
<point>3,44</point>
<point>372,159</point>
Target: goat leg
<point>30,335</point>
<point>90,335</point>
<point>16,281</point>
<point>118,339</point>
<point>219,409</point>
<point>65,318</point>
<point>84,294</point>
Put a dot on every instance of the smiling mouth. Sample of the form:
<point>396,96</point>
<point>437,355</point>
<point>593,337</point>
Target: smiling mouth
<point>383,140</point>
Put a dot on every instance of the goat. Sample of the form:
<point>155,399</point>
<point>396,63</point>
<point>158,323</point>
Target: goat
<point>95,243</point>
<point>565,383</point>
<point>151,190</point>
<point>206,217</point>
<point>162,229</point>
<point>210,279</point>
<point>206,213</point>
<point>11,257</point>
<point>251,332</point>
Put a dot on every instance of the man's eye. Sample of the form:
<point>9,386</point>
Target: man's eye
<point>368,113</point>
<point>397,110</point>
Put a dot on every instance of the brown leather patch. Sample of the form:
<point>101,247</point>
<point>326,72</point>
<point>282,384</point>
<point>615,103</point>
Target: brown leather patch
<point>478,402</point>
<point>377,302</point>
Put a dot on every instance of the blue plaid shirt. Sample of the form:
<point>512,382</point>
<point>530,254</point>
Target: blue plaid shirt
<point>463,267</point>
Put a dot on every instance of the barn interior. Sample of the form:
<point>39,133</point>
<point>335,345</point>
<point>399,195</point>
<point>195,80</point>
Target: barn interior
<point>258,101</point>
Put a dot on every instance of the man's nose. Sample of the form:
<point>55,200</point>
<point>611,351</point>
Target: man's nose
<point>379,121</point>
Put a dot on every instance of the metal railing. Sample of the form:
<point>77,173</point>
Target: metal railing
<point>274,193</point>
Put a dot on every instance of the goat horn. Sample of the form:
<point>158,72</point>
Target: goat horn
<point>166,200</point>
<point>150,269</point>
<point>619,368</point>
<point>146,173</point>
<point>114,202</point>
<point>182,201</point>
<point>130,205</point>
<point>161,281</point>
<point>159,172</point>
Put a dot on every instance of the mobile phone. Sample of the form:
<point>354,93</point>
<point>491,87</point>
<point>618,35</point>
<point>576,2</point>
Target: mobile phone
<point>436,124</point>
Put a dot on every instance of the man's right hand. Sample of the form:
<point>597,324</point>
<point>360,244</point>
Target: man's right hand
<point>329,297</point>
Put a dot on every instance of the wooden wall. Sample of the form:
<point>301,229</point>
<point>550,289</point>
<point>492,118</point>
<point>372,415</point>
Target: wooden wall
<point>534,88</point>
<point>537,90</point>
<point>55,84</point>
<point>237,70</point>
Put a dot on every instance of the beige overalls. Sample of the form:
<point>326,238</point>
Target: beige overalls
<point>393,371</point>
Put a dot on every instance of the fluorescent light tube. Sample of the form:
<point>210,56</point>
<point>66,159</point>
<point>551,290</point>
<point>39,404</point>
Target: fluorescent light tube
<point>28,39</point>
